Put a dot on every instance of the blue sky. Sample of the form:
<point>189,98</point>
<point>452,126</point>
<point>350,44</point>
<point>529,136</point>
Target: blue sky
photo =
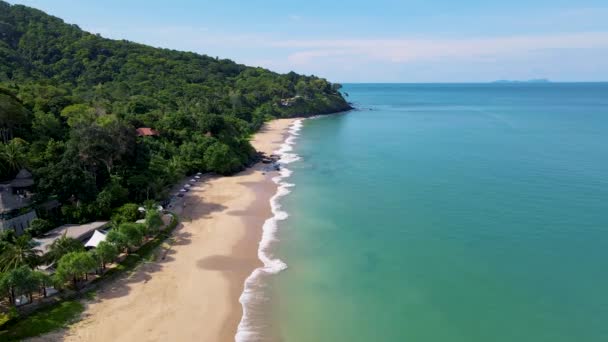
<point>368,41</point>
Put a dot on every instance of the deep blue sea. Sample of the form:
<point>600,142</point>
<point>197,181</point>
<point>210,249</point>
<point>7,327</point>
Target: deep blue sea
<point>449,212</point>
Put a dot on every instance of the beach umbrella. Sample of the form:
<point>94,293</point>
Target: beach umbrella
<point>187,186</point>
<point>197,177</point>
<point>183,190</point>
<point>193,180</point>
<point>198,173</point>
<point>141,209</point>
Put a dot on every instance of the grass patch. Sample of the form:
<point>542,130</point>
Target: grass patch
<point>43,321</point>
<point>90,295</point>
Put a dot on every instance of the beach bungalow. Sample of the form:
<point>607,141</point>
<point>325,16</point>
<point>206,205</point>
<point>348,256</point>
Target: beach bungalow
<point>16,212</point>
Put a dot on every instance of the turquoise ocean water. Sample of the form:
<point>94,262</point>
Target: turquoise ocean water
<point>464,212</point>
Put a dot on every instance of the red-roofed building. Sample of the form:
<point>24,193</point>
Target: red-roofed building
<point>146,132</point>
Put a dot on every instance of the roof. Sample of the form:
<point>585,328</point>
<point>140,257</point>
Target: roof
<point>23,174</point>
<point>22,183</point>
<point>95,239</point>
<point>23,179</point>
<point>146,132</point>
<point>79,232</point>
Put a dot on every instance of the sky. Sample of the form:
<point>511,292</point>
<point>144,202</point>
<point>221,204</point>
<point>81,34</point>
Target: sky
<point>368,41</point>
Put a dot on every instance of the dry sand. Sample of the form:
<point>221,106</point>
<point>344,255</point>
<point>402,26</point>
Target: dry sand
<point>192,295</point>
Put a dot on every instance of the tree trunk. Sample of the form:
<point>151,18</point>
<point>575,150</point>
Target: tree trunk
<point>75,282</point>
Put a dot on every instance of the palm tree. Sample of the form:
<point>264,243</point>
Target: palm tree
<point>19,253</point>
<point>12,155</point>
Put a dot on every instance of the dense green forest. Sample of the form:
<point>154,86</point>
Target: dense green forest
<point>70,103</point>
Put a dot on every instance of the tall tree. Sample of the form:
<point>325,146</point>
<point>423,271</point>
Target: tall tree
<point>18,281</point>
<point>154,220</point>
<point>105,252</point>
<point>74,266</point>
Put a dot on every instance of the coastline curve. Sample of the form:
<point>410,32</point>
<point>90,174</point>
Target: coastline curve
<point>252,299</point>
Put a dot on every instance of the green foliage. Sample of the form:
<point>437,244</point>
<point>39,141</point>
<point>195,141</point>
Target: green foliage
<point>7,236</point>
<point>126,213</point>
<point>219,158</point>
<point>127,235</point>
<point>78,114</point>
<point>18,281</point>
<point>39,226</point>
<point>134,233</point>
<point>62,246</point>
<point>154,220</point>
<point>46,320</point>
<point>6,317</point>
<point>47,126</point>
<point>118,239</point>
<point>20,252</point>
<point>113,195</point>
<point>105,252</point>
<point>145,252</point>
<point>72,266</point>
<point>14,117</point>
<point>70,102</point>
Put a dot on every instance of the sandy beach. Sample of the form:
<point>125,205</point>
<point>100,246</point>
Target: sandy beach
<point>192,294</point>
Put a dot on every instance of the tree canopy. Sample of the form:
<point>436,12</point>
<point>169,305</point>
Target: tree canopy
<point>70,103</point>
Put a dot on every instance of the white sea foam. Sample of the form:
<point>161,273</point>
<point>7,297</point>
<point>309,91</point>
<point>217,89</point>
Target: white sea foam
<point>253,297</point>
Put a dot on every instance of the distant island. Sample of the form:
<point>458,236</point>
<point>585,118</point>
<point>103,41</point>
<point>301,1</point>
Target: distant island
<point>537,80</point>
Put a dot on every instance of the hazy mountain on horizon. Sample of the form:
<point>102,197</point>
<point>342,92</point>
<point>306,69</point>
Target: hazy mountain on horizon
<point>536,80</point>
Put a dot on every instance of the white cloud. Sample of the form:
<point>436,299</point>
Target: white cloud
<point>417,49</point>
<point>567,56</point>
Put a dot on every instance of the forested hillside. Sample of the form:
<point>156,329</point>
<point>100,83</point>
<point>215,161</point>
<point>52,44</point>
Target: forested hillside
<point>70,103</point>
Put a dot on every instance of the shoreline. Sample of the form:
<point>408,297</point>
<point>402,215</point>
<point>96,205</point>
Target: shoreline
<point>253,324</point>
<point>193,293</point>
